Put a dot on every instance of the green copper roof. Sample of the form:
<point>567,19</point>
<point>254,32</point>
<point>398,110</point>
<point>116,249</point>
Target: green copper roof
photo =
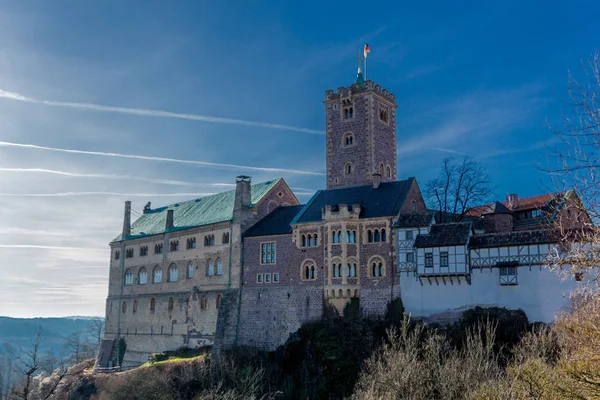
<point>360,80</point>
<point>188,214</point>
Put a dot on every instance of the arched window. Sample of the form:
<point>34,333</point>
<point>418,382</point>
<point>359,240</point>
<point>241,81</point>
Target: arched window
<point>309,271</point>
<point>210,267</point>
<point>173,273</point>
<point>134,310</point>
<point>225,238</point>
<point>353,270</point>
<point>218,303</point>
<point>377,236</point>
<point>377,268</point>
<point>303,240</point>
<point>315,240</point>
<point>170,304</point>
<point>348,169</point>
<point>129,277</point>
<point>348,139</point>
<point>383,236</point>
<point>124,307</point>
<point>414,207</point>
<point>190,270</point>
<point>157,275</point>
<point>309,240</point>
<point>152,305</point>
<point>348,270</point>
<point>143,276</point>
<point>388,171</point>
<point>380,269</point>
<point>381,169</point>
<point>370,236</point>
<point>203,302</point>
<point>219,267</point>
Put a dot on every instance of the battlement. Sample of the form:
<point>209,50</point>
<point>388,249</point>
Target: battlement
<point>369,86</point>
<point>340,211</point>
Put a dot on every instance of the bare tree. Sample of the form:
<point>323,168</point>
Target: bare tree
<point>459,186</point>
<point>30,365</point>
<point>575,164</point>
<point>96,329</point>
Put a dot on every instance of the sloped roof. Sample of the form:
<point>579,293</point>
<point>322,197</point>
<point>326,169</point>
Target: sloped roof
<point>385,201</point>
<point>276,223</point>
<point>496,208</point>
<point>451,234</point>
<point>414,220</point>
<point>527,203</point>
<point>193,213</point>
<point>538,236</point>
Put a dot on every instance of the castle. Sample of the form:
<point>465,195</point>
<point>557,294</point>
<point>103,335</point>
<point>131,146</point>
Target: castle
<point>250,266</point>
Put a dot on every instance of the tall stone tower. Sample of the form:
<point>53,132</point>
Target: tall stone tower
<point>361,134</point>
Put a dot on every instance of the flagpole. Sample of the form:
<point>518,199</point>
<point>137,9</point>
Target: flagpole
<point>366,67</point>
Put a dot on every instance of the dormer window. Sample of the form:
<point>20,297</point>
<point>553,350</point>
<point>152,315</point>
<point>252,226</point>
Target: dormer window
<point>348,140</point>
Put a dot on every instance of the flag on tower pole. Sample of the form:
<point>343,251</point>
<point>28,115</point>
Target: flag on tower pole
<point>366,51</point>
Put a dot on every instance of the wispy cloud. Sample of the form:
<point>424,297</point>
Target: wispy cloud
<point>154,113</point>
<point>163,159</point>
<point>447,150</point>
<point>35,246</point>
<point>112,176</point>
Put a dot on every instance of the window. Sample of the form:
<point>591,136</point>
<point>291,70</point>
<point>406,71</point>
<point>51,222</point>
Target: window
<point>191,243</point>
<point>508,276</point>
<point>348,112</point>
<point>303,240</point>
<point>129,253</point>
<point>210,267</point>
<point>348,169</point>
<point>158,249</point>
<point>310,240</point>
<point>124,307</point>
<point>348,139</point>
<point>267,253</point>
<point>309,271</point>
<point>190,270</point>
<point>209,240</point>
<point>428,260</point>
<point>370,236</point>
<point>129,278</point>
<point>117,254</point>
<point>377,268</point>
<point>225,239</point>
<point>218,303</point>
<point>219,267</point>
<point>337,236</point>
<point>388,171</point>
<point>410,257</point>
<point>143,251</point>
<point>538,213</point>
<point>409,235</point>
<point>203,303</point>
<point>414,207</point>
<point>174,245</point>
<point>350,236</point>
<point>444,259</point>
<point>381,169</point>
<point>134,309</point>
<point>276,277</point>
<point>336,270</point>
<point>157,275</point>
<point>170,304</point>
<point>267,278</point>
<point>383,115</point>
<point>351,270</point>
<point>143,277</point>
<point>383,236</point>
<point>259,278</point>
<point>173,273</point>
<point>152,305</point>
<point>377,236</point>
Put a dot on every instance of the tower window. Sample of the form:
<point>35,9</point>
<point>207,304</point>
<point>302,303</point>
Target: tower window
<point>348,169</point>
<point>381,169</point>
<point>383,114</point>
<point>388,171</point>
<point>348,112</point>
<point>348,139</point>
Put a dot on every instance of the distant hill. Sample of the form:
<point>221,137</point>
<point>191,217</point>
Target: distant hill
<point>19,332</point>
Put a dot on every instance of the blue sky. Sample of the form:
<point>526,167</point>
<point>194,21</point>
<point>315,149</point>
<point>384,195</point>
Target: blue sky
<point>477,78</point>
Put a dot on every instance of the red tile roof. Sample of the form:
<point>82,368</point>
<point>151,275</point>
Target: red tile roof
<point>527,203</point>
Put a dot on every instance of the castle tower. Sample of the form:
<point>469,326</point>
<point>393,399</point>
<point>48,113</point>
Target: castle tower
<point>361,134</point>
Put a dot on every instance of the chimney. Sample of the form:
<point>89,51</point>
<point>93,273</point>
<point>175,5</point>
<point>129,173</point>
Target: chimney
<point>169,223</point>
<point>127,220</point>
<point>376,180</point>
<point>243,195</point>
<point>512,201</point>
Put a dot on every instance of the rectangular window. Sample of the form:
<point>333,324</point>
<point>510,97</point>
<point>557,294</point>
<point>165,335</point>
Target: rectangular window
<point>158,249</point>
<point>508,276</point>
<point>444,259</point>
<point>428,260</point>
<point>267,278</point>
<point>276,277</point>
<point>267,253</point>
<point>129,278</point>
<point>259,278</point>
<point>143,251</point>
<point>174,246</point>
<point>410,257</point>
<point>191,243</point>
<point>409,235</point>
<point>129,253</point>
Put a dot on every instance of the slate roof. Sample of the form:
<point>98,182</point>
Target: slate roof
<point>414,220</point>
<point>199,212</point>
<point>385,201</point>
<point>276,223</point>
<point>538,236</point>
<point>451,234</point>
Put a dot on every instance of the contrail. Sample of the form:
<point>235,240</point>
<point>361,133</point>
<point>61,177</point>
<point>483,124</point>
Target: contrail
<point>112,176</point>
<point>66,194</point>
<point>164,159</point>
<point>154,113</point>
